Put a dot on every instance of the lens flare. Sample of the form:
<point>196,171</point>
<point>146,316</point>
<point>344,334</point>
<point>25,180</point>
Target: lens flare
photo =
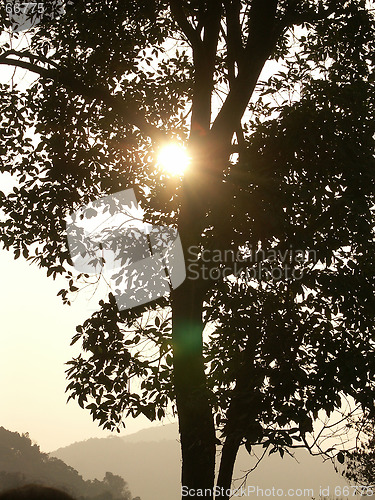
<point>173,159</point>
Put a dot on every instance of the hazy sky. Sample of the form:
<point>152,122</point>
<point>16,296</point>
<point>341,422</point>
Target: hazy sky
<point>35,333</point>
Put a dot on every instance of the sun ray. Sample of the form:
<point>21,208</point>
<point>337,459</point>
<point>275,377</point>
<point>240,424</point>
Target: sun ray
<point>173,159</point>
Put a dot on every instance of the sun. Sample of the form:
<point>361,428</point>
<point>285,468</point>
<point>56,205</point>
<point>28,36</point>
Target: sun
<point>173,159</point>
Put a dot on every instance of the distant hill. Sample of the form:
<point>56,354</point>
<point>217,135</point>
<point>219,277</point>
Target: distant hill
<point>22,462</point>
<point>150,461</point>
<point>167,432</point>
<point>152,464</point>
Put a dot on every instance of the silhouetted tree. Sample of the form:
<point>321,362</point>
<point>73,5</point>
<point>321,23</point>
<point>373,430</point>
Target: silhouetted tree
<point>22,462</point>
<point>282,174</point>
<point>359,464</point>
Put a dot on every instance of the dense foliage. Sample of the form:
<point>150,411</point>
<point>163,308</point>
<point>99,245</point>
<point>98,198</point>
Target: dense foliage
<point>294,189</point>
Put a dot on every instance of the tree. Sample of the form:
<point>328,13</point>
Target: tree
<point>22,463</point>
<point>117,486</point>
<point>358,465</point>
<point>280,181</point>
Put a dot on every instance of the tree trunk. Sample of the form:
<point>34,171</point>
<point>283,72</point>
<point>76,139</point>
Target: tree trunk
<point>242,415</point>
<point>228,459</point>
<point>196,424</point>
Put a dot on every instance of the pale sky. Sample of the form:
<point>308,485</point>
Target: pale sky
<point>35,334</point>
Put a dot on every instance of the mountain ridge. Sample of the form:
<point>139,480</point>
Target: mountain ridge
<point>22,462</point>
<point>151,459</point>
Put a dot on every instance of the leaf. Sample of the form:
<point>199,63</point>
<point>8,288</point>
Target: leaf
<point>248,447</point>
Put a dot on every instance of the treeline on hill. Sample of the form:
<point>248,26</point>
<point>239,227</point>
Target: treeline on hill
<point>360,463</point>
<point>22,462</point>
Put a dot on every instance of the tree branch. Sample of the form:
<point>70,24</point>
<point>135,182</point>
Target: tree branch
<point>262,38</point>
<point>235,47</point>
<point>188,30</point>
<point>130,110</point>
<point>34,68</point>
<point>204,61</point>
